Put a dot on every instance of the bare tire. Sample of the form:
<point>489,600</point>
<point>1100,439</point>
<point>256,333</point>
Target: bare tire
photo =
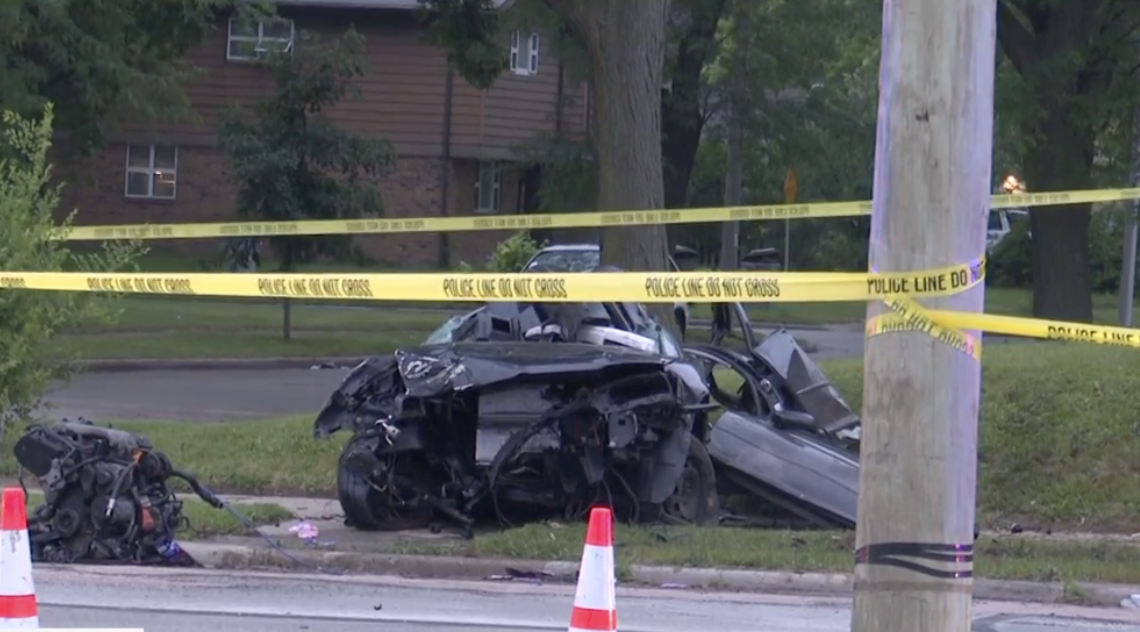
<point>368,509</point>
<point>694,500</point>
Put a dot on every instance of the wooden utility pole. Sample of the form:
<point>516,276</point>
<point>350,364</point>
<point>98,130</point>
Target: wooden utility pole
<point>914,563</point>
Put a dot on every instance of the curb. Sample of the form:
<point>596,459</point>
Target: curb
<point>213,364</point>
<point>230,556</point>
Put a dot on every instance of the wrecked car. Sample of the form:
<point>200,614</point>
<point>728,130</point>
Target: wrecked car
<point>785,434</point>
<point>106,497</point>
<point>518,411</point>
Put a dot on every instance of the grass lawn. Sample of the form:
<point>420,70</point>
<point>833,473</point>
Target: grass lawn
<point>270,457</point>
<point>205,521</point>
<point>1004,557</point>
<point>161,327</point>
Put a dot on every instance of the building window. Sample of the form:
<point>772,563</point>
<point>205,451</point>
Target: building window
<point>250,40</point>
<point>524,53</point>
<point>152,171</point>
<point>488,187</point>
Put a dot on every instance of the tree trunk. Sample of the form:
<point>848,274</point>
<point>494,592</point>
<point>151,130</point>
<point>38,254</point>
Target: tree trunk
<point>733,192</point>
<point>625,43</point>
<point>1062,137</point>
<point>734,178</point>
<point>682,119</point>
<point>1062,278</point>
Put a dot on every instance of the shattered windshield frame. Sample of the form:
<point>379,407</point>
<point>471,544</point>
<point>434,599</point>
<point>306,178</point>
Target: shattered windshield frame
<point>644,325</point>
<point>564,261</point>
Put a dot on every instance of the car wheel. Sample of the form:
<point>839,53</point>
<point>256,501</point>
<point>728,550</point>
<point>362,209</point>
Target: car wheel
<point>694,500</point>
<point>368,509</point>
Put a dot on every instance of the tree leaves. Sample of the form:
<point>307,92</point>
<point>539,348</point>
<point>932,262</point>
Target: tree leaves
<point>291,161</point>
<point>28,203</point>
<point>99,61</point>
<point>471,33</point>
<point>1068,101</point>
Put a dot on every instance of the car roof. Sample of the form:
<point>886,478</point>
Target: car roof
<point>563,247</point>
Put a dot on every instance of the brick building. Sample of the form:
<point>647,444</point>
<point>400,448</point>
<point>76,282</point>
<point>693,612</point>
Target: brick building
<point>454,143</point>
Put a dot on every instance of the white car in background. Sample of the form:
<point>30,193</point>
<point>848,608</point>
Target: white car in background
<point>1001,224</point>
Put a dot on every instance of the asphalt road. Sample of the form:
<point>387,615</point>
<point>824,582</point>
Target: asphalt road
<point>186,601</point>
<point>191,395</point>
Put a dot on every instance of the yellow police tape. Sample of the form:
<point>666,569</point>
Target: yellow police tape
<point>907,315</point>
<point>545,220</point>
<point>946,326</point>
<point>1034,328</point>
<point>696,287</point>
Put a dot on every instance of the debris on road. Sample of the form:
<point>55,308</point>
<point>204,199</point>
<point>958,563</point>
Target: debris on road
<point>306,531</point>
<point>518,575</point>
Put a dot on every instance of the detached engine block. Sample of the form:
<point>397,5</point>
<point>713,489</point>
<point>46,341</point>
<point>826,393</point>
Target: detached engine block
<point>106,497</point>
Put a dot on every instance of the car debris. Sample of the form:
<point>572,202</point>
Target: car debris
<point>106,497</point>
<point>786,435</point>
<point>306,531</point>
<point>526,411</point>
<point>484,420</point>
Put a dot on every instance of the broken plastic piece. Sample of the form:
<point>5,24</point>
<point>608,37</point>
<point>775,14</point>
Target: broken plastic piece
<point>306,531</point>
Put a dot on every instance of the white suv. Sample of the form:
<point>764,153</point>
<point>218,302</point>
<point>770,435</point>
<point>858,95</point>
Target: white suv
<point>1001,223</point>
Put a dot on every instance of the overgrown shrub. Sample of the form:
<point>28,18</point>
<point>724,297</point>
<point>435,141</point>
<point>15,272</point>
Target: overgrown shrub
<point>513,253</point>
<point>28,318</point>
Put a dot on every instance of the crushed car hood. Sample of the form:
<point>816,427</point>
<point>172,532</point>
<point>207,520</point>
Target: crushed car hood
<point>431,371</point>
<point>434,370</point>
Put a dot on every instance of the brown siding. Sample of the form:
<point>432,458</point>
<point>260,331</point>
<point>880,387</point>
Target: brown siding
<point>94,188</point>
<point>475,247</point>
<point>402,98</point>
<point>516,109</point>
<point>575,125</point>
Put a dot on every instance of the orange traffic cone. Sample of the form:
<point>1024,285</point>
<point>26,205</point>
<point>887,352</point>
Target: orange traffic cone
<point>18,607</point>
<point>595,606</point>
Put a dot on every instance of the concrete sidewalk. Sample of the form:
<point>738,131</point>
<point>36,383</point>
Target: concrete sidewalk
<point>339,549</point>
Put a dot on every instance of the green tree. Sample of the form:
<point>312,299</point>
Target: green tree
<point>99,61</point>
<point>292,162</point>
<point>31,318</point>
<point>624,45</point>
<point>808,95</point>
<point>1068,101</point>
<point>690,46</point>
